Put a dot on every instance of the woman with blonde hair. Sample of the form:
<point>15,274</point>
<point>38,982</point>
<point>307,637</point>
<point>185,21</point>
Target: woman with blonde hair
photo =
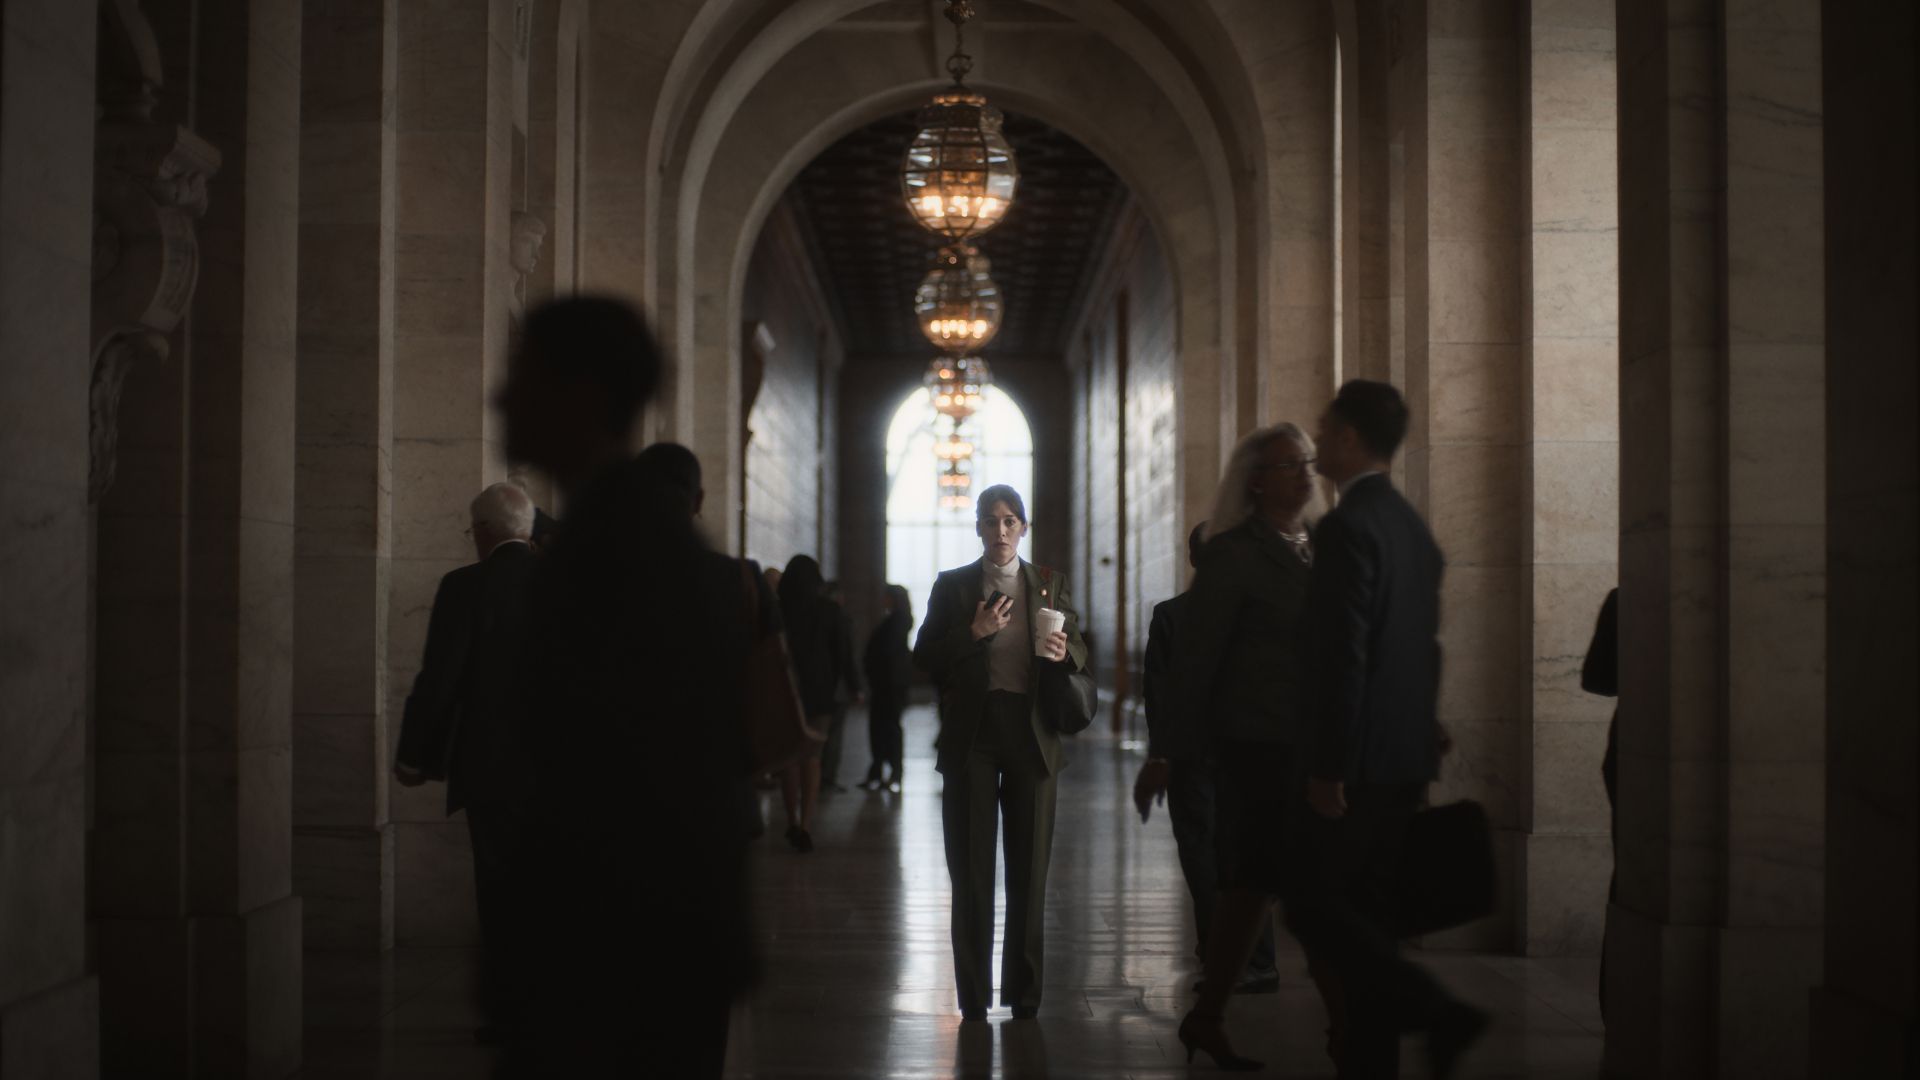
<point>1239,674</point>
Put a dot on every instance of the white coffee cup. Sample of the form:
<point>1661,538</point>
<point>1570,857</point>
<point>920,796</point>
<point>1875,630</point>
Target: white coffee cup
<point>1046,622</point>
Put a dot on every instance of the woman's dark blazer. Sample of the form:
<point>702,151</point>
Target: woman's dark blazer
<point>946,650</point>
<point>1242,641</point>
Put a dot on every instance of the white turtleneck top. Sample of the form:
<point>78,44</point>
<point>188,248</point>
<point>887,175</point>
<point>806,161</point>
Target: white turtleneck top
<point>1010,652</point>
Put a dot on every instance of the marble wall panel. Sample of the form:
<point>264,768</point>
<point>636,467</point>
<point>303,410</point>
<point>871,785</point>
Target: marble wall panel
<point>1565,876</point>
<point>247,975</point>
<point>1471,505</point>
<point>345,881</point>
<point>1567,795</point>
<point>53,1034</point>
<point>1566,603</point>
<point>1471,393</point>
<point>1866,1008</point>
<point>433,884</point>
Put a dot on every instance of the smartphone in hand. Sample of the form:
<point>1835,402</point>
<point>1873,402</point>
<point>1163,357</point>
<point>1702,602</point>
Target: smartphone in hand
<point>993,601</point>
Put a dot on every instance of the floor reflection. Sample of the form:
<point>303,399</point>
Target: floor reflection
<point>859,974</point>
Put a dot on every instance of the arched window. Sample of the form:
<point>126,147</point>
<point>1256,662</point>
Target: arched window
<point>922,537</point>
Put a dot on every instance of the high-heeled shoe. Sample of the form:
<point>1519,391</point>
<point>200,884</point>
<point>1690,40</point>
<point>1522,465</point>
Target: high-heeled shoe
<point>800,838</point>
<point>1208,1035</point>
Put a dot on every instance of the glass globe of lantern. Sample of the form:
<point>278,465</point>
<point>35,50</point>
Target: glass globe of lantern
<point>959,175</point>
<point>957,384</point>
<point>954,447</point>
<point>958,304</point>
<point>956,486</point>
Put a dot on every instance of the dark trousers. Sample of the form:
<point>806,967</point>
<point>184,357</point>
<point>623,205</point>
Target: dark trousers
<point>496,831</point>
<point>836,747</point>
<point>1008,788</point>
<point>1190,806</point>
<point>1341,912</point>
<point>885,739</point>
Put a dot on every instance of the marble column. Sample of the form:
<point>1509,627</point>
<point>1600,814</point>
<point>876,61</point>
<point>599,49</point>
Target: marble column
<point>1365,215</point>
<point>48,1002</point>
<point>1865,1009</point>
<point>1571,360</point>
<point>198,930</point>
<point>1465,462</point>
<point>1713,941</point>
<point>1289,54</point>
<point>452,283</point>
<point>344,428</point>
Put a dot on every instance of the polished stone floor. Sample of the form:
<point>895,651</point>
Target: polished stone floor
<point>859,975</point>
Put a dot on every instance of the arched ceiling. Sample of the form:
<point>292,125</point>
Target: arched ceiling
<point>874,255</point>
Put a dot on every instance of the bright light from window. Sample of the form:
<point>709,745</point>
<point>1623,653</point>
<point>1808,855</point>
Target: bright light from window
<point>923,539</point>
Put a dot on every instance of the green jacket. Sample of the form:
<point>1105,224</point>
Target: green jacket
<point>946,650</point>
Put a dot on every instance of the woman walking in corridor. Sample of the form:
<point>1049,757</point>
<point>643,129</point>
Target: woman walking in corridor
<point>997,631</point>
<point>889,666</point>
<point>1239,676</point>
<point>822,660</point>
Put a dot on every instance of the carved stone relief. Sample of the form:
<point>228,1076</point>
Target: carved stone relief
<point>529,235</point>
<point>150,184</point>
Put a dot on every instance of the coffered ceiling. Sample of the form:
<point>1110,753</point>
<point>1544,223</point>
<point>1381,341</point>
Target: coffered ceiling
<point>873,255</point>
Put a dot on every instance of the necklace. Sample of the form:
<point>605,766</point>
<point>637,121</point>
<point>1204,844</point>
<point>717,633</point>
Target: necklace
<point>1299,542</point>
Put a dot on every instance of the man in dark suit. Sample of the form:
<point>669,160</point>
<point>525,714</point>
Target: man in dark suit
<point>460,725</point>
<point>1374,608</point>
<point>1180,772</point>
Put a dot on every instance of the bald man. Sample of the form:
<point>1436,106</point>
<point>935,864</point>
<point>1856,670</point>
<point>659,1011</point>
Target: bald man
<point>459,725</point>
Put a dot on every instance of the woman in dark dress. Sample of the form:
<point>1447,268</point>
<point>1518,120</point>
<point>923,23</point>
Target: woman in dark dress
<point>1239,669</point>
<point>889,664</point>
<point>822,660</point>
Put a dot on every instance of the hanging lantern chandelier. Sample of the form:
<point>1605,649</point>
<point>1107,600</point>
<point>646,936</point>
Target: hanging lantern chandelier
<point>955,447</point>
<point>956,485</point>
<point>957,383</point>
<point>959,175</point>
<point>958,304</point>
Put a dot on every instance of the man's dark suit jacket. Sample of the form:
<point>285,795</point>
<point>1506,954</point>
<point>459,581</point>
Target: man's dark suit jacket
<point>1374,609</point>
<point>946,650</point>
<point>460,722</point>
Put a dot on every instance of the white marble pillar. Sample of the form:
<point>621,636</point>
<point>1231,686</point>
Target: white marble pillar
<point>342,840</point>
<point>198,931</point>
<point>1865,1009</point>
<point>1715,934</point>
<point>48,1003</point>
<point>1465,462</point>
<point>1365,213</point>
<point>1289,54</point>
<point>1571,417</point>
<point>452,280</point>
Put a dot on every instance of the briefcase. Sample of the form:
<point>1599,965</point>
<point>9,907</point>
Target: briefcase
<point>1446,869</point>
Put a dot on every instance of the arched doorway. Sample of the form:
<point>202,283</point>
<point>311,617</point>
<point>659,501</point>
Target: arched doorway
<point>926,533</point>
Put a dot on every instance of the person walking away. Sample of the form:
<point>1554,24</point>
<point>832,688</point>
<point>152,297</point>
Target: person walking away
<point>1374,617</point>
<point>1239,679</point>
<point>821,663</point>
<point>998,751</point>
<point>459,726</point>
<point>1179,773</point>
<point>634,883</point>
<point>848,677</point>
<point>889,667</point>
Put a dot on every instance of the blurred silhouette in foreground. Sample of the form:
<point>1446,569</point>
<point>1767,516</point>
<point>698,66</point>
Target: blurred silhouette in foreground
<point>633,895</point>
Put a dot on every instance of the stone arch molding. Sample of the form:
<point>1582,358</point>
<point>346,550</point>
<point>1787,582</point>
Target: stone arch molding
<point>794,84</point>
